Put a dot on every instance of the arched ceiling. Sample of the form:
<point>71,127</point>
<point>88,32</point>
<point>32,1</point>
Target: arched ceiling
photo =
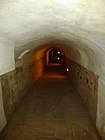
<point>24,21</point>
<point>77,24</point>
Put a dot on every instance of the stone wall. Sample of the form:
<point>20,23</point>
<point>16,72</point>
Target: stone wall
<point>86,84</point>
<point>16,84</point>
<point>2,115</point>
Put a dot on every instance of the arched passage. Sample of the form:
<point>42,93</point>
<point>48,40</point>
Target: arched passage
<point>55,96</point>
<point>56,56</point>
<point>28,26</point>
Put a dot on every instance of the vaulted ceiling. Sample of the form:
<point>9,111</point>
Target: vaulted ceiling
<point>78,25</point>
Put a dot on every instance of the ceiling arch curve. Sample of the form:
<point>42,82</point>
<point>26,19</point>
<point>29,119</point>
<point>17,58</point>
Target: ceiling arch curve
<point>78,26</point>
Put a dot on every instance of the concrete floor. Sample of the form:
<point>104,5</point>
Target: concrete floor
<point>52,110</point>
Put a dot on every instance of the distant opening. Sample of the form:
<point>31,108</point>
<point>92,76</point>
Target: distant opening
<point>56,56</point>
<point>55,63</point>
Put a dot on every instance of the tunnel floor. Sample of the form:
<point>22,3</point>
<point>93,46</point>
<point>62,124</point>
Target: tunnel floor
<point>52,110</point>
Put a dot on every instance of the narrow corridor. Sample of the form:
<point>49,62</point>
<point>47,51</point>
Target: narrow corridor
<point>52,110</point>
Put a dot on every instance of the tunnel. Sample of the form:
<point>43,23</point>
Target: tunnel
<point>52,70</point>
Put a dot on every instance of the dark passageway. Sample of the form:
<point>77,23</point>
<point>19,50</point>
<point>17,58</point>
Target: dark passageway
<point>42,42</point>
<point>52,110</point>
<point>56,56</point>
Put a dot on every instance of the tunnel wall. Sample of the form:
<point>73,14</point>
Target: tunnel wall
<point>39,63</point>
<point>39,69</point>
<point>86,84</point>
<point>16,84</point>
<point>2,115</point>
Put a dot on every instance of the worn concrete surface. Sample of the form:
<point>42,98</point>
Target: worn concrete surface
<point>86,84</point>
<point>52,110</point>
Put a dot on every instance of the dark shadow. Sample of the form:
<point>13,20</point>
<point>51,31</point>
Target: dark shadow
<point>56,63</point>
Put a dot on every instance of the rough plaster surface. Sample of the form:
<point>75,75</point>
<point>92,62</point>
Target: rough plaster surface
<point>79,24</point>
<point>7,62</point>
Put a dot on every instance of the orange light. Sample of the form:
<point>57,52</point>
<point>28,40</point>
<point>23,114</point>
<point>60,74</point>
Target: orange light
<point>59,52</point>
<point>58,58</point>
